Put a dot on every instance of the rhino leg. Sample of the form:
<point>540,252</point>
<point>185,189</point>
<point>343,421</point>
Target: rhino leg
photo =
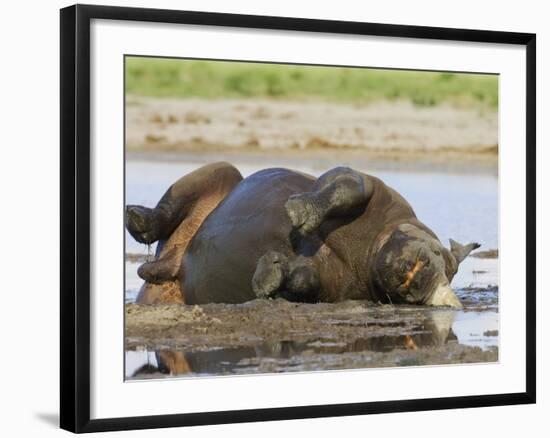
<point>270,275</point>
<point>165,268</point>
<point>174,222</point>
<point>147,225</point>
<point>294,280</point>
<point>303,282</point>
<point>340,192</point>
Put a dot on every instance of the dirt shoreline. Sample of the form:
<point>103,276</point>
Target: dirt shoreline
<point>381,132</point>
<point>486,254</point>
<point>448,162</point>
<point>277,335</point>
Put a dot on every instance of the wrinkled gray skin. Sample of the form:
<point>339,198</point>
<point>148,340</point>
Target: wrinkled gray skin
<point>281,233</point>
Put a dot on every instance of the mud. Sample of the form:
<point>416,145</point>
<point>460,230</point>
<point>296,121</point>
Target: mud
<point>381,131</point>
<point>275,336</point>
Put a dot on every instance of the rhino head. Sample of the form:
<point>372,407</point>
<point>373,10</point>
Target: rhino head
<point>413,267</point>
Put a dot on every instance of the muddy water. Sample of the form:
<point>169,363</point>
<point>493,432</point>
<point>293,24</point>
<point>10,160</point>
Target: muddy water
<point>276,336</point>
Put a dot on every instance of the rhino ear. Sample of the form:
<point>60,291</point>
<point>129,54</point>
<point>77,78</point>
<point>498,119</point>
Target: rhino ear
<point>460,252</point>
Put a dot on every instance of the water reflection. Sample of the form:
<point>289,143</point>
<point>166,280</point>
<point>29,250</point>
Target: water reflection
<point>433,331</point>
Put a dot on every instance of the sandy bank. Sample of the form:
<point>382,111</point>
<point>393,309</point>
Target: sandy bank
<point>378,131</point>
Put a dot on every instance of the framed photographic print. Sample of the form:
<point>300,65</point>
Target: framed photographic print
<point>271,218</point>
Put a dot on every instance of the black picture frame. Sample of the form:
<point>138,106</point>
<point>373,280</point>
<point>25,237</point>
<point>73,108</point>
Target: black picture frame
<point>75,217</point>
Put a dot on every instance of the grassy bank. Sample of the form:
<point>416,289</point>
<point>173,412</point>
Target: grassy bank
<point>214,79</point>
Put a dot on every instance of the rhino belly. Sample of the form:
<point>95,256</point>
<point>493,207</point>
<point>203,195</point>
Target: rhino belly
<point>221,260</point>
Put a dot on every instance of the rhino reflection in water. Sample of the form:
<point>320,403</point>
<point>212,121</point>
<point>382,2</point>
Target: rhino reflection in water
<point>281,233</point>
<point>434,330</point>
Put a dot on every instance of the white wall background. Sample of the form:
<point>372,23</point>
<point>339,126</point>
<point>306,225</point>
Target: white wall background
<point>29,177</point>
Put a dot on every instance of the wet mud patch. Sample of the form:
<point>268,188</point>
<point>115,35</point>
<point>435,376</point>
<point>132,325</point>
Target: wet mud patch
<point>271,336</point>
<point>475,298</point>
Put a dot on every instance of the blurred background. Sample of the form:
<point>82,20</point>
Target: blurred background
<point>388,118</point>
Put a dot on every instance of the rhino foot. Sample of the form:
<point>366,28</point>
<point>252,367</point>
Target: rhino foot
<point>305,213</point>
<point>270,275</point>
<point>142,224</point>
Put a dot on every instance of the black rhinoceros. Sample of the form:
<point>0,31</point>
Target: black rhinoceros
<point>282,233</point>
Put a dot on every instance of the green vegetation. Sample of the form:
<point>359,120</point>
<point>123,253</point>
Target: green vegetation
<point>214,79</point>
